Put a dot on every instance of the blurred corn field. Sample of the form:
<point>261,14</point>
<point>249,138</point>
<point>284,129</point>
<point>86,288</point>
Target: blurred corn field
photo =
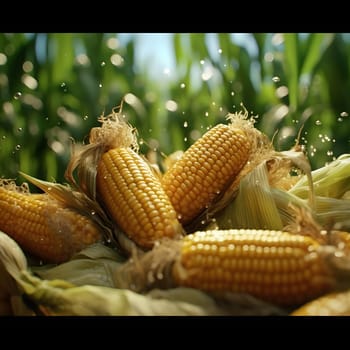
<point>53,86</point>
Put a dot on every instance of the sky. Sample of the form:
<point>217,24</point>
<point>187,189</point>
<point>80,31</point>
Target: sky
<point>157,49</point>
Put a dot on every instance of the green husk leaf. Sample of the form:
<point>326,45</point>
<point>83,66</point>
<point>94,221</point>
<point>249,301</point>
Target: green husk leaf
<point>329,212</point>
<point>254,205</point>
<point>286,202</point>
<point>94,265</point>
<point>12,256</point>
<point>333,212</point>
<point>103,301</point>
<point>12,261</point>
<point>332,180</point>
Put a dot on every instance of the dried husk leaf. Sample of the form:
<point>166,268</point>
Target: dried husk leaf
<point>78,201</point>
<point>114,132</point>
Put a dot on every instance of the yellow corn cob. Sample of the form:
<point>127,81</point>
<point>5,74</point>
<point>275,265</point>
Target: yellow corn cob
<point>275,266</point>
<point>205,170</point>
<point>43,227</point>
<point>134,197</point>
<point>331,304</point>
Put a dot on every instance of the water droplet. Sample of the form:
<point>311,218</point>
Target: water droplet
<point>232,93</point>
<point>86,117</point>
<point>64,87</point>
<point>201,62</point>
<point>276,79</point>
<point>185,124</point>
<point>19,129</point>
<point>18,147</point>
<point>3,137</point>
<point>185,139</point>
<point>92,212</point>
<point>182,85</point>
<point>318,122</point>
<point>344,114</point>
<point>171,105</point>
<point>329,153</point>
<point>220,51</point>
<point>340,119</point>
<point>103,63</point>
<point>100,85</point>
<point>206,114</point>
<point>17,95</point>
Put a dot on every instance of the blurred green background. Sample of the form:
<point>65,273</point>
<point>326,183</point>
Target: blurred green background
<point>53,86</point>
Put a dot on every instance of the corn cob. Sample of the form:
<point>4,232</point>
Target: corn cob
<point>134,197</point>
<point>205,170</point>
<point>111,171</point>
<point>43,226</point>
<point>331,304</point>
<point>275,266</point>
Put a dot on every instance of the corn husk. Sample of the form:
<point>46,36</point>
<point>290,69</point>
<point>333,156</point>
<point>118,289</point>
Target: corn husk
<point>94,265</point>
<point>11,302</point>
<point>257,205</point>
<point>332,180</point>
<point>260,203</point>
<point>254,206</point>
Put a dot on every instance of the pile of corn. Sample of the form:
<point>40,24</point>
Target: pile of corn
<point>231,226</point>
